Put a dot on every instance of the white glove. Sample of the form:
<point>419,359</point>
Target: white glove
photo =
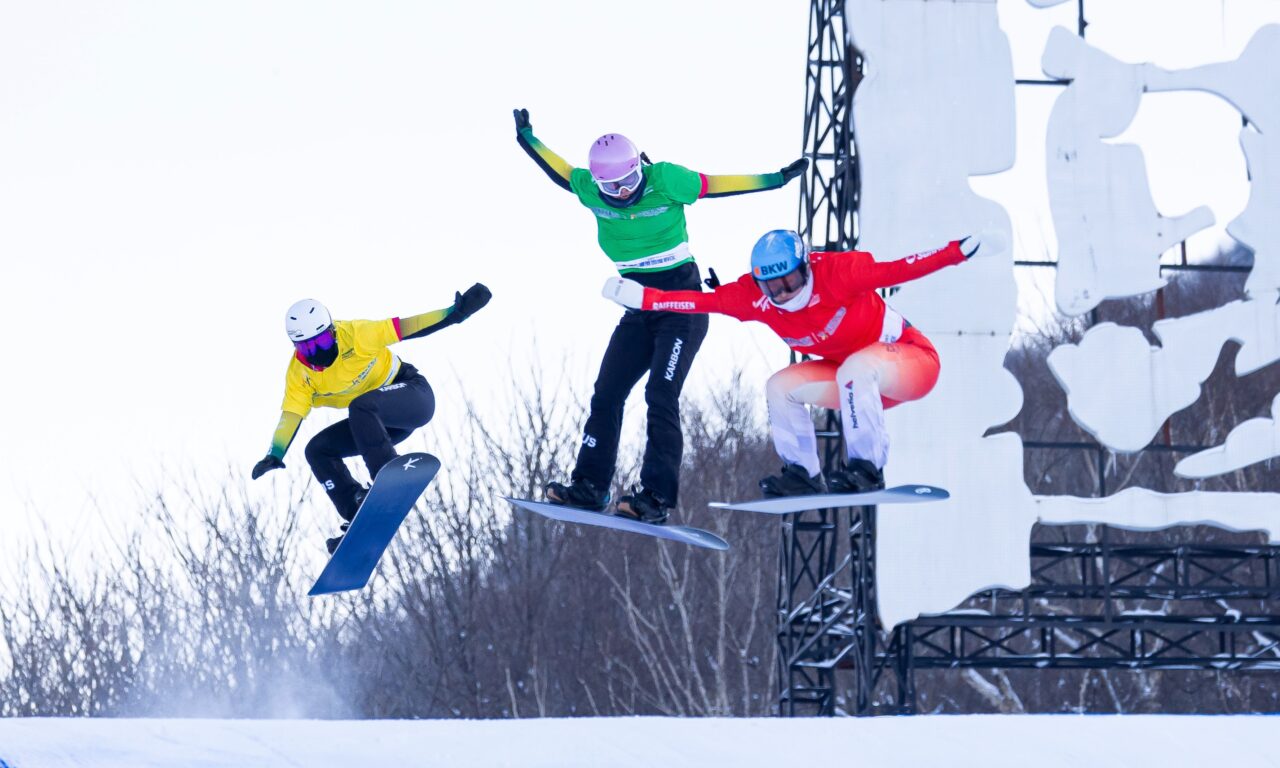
<point>988,242</point>
<point>626,292</point>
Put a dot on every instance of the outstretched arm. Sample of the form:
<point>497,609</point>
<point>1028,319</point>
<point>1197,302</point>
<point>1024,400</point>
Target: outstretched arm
<point>724,186</point>
<point>427,323</point>
<point>556,167</point>
<point>723,300</point>
<point>862,272</point>
<point>859,271</point>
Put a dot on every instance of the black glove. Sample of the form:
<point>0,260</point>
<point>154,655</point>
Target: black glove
<point>467,304</point>
<point>794,170</point>
<point>712,282</point>
<point>268,463</point>
<point>988,241</point>
<point>522,119</point>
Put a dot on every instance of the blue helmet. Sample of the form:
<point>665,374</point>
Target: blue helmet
<point>780,254</point>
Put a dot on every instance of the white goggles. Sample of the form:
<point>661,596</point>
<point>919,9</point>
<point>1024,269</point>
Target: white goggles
<point>627,184</point>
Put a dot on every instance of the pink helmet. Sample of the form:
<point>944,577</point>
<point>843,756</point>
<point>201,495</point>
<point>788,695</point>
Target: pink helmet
<point>612,157</point>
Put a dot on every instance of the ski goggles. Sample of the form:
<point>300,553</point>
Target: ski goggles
<point>311,347</point>
<point>784,287</point>
<point>627,184</point>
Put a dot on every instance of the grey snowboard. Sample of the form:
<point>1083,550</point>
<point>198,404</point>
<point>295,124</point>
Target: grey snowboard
<point>786,505</point>
<point>695,536</point>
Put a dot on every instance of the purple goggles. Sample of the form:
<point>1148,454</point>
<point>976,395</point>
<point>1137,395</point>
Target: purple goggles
<point>308,348</point>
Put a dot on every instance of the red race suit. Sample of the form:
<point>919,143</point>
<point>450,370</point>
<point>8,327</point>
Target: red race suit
<point>844,314</point>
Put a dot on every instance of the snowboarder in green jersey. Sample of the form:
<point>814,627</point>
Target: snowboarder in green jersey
<point>639,210</point>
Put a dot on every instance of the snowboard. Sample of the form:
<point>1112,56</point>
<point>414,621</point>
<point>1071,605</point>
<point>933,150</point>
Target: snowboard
<point>685,535</point>
<point>394,492</point>
<point>786,505</point>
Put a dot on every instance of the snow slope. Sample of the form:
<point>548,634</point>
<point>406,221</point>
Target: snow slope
<point>977,740</point>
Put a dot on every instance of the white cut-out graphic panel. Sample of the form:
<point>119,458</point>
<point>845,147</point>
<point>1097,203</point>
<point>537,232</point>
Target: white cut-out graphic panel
<point>1121,389</point>
<point>1251,85</point>
<point>1110,235</point>
<point>1161,381</point>
<point>1250,442</point>
<point>1142,509</point>
<point>924,59</point>
<point>1255,226</point>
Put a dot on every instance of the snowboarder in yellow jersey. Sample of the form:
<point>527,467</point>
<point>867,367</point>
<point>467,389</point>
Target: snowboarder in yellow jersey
<point>347,364</point>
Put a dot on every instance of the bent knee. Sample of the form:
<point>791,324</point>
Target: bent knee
<point>859,367</point>
<point>803,384</point>
<point>782,384</point>
<point>362,404</point>
<point>315,451</point>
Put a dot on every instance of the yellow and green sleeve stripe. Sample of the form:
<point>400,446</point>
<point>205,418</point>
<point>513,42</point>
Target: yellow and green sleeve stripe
<point>556,167</point>
<point>285,432</point>
<point>724,186</point>
<point>417,326</point>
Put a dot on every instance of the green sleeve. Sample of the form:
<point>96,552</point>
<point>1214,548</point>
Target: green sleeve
<point>581,183</point>
<point>284,434</point>
<point>676,182</point>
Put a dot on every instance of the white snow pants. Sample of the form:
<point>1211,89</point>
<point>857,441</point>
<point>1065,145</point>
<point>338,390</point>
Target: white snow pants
<point>861,386</point>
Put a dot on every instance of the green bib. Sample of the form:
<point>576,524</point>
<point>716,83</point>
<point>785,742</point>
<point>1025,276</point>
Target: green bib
<point>649,235</point>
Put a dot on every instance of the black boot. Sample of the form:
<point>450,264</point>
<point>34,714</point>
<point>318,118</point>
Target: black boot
<point>644,505</point>
<point>332,544</point>
<point>347,508</point>
<point>794,480</point>
<point>858,476</point>
<point>580,493</point>
<point>348,513</point>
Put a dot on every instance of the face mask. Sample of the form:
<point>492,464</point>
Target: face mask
<point>319,351</point>
<point>799,301</point>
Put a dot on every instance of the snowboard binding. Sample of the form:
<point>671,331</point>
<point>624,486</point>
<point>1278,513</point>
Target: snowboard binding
<point>579,493</point>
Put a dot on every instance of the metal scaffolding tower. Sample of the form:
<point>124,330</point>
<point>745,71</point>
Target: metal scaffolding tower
<point>833,655</point>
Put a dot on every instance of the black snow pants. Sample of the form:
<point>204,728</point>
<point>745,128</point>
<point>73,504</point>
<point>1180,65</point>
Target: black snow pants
<point>376,421</point>
<point>662,344</point>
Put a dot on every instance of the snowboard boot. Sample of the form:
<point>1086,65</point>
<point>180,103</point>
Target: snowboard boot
<point>332,544</point>
<point>348,510</point>
<point>857,476</point>
<point>580,493</point>
<point>348,513</point>
<point>793,480</point>
<point>644,505</point>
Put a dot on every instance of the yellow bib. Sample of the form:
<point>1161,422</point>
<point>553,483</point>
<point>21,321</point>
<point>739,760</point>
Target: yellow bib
<point>364,363</point>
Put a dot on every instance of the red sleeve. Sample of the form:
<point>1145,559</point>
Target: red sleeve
<point>728,299</point>
<point>859,271</point>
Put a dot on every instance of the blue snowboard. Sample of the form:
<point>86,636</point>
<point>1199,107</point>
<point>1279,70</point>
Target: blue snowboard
<point>786,505</point>
<point>695,536</point>
<point>395,490</point>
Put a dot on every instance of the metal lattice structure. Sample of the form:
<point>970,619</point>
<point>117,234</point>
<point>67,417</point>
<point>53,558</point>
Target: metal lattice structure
<point>835,658</point>
<point>820,623</point>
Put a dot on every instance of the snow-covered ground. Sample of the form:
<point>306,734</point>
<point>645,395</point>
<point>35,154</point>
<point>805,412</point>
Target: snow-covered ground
<point>973,740</point>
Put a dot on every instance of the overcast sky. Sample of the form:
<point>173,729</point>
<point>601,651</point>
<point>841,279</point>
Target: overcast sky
<point>173,175</point>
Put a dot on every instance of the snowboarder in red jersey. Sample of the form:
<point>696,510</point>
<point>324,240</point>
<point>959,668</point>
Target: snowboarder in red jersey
<point>825,305</point>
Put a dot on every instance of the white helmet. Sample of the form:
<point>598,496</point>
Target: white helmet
<point>305,319</point>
